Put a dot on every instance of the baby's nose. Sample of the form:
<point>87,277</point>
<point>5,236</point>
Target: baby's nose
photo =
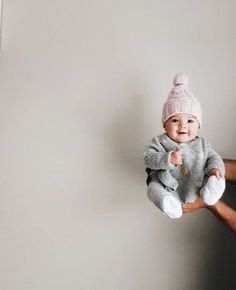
<point>182,124</point>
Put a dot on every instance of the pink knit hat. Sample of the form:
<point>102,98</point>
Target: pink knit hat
<point>181,100</point>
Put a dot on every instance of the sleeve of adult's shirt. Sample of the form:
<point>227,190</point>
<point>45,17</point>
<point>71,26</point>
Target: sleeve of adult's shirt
<point>156,157</point>
<point>214,160</point>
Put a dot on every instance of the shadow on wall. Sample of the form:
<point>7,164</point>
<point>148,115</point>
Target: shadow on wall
<point>223,263</point>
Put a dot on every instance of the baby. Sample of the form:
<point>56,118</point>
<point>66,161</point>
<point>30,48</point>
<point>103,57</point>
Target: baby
<point>180,164</point>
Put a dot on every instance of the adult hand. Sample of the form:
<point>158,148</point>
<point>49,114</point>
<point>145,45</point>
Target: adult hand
<point>193,206</point>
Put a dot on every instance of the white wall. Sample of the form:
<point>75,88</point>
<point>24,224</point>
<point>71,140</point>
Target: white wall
<point>82,84</point>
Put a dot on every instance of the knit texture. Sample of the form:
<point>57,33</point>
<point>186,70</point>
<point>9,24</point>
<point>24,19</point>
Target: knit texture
<point>186,179</point>
<point>181,100</point>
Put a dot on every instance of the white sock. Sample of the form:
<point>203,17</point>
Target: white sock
<point>172,206</point>
<point>213,190</point>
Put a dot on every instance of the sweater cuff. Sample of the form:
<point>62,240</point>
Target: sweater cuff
<point>215,166</point>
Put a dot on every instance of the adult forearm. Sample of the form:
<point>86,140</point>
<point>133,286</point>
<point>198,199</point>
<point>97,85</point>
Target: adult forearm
<point>224,213</point>
<point>221,210</point>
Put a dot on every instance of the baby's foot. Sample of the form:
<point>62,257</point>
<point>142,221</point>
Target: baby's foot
<point>213,190</point>
<point>172,207</point>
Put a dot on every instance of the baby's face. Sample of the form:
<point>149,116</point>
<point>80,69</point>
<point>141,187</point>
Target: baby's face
<point>182,127</point>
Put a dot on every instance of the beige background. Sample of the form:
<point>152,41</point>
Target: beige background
<point>82,84</point>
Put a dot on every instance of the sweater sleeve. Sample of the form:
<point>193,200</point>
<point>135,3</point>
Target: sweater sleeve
<point>156,157</point>
<point>214,160</point>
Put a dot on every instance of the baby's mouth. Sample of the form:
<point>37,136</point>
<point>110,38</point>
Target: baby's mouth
<point>182,133</point>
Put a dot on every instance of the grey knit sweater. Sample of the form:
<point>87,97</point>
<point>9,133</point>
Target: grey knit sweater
<point>186,179</point>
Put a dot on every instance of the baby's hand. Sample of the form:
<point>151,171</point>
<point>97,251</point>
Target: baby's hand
<point>176,157</point>
<point>216,172</point>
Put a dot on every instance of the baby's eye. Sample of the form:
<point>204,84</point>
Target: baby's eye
<point>190,121</point>
<point>174,120</point>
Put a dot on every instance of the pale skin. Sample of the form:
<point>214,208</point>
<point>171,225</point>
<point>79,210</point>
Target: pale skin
<point>183,128</point>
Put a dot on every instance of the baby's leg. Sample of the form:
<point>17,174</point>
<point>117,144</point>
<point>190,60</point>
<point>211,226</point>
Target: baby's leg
<point>213,189</point>
<point>166,201</point>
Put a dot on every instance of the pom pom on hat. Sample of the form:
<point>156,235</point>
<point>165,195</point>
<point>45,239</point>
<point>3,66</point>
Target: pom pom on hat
<point>181,79</point>
<point>181,100</point>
